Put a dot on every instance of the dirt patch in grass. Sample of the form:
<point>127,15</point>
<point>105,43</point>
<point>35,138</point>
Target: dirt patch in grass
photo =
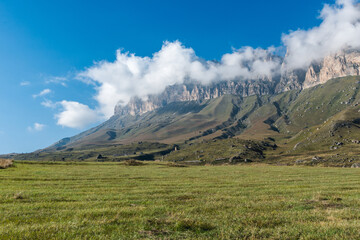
<point>325,203</point>
<point>158,225</point>
<point>184,197</point>
<point>5,163</point>
<point>153,232</point>
<point>190,225</point>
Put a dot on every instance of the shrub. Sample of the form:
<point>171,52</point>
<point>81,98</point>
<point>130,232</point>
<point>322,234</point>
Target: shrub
<point>133,163</point>
<point>5,163</point>
<point>176,165</point>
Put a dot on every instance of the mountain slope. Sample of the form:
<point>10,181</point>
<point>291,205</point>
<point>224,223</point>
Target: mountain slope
<point>254,117</point>
<point>315,105</point>
<point>341,130</point>
<point>172,123</point>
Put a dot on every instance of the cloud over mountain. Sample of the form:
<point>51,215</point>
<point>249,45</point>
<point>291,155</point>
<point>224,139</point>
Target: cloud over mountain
<point>130,75</point>
<point>340,29</point>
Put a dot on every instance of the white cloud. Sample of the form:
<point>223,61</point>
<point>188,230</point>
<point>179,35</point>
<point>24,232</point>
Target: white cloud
<point>340,29</point>
<point>49,104</point>
<point>25,83</point>
<point>37,127</point>
<point>130,75</point>
<point>76,115</point>
<point>57,80</point>
<point>42,93</point>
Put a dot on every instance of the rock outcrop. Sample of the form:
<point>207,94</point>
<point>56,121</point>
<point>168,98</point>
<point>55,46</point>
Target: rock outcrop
<point>195,92</point>
<point>345,63</point>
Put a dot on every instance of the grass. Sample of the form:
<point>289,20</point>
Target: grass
<point>159,201</point>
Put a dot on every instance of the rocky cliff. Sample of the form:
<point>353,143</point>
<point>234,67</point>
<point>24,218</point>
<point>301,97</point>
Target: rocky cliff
<point>342,64</point>
<point>345,63</point>
<point>196,92</point>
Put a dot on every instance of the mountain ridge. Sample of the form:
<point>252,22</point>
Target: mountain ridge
<point>341,64</point>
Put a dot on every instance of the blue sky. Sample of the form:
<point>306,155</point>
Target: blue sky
<point>45,44</point>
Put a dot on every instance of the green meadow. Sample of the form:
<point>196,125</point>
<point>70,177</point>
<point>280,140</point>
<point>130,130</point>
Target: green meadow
<point>162,201</point>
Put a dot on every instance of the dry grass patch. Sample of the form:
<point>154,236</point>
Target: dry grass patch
<point>5,163</point>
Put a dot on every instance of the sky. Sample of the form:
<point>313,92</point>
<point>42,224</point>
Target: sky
<point>65,64</point>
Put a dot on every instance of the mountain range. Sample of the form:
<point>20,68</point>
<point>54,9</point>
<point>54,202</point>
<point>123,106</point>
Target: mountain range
<point>314,109</point>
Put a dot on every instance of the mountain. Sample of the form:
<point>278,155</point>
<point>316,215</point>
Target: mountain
<point>253,117</point>
<point>271,109</point>
<point>317,125</point>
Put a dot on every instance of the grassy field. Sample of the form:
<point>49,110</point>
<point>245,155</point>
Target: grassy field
<point>158,201</point>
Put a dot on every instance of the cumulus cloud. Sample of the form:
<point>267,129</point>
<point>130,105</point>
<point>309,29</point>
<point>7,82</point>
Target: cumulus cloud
<point>37,127</point>
<point>73,114</point>
<point>130,75</point>
<point>42,93</point>
<point>76,115</point>
<point>340,29</point>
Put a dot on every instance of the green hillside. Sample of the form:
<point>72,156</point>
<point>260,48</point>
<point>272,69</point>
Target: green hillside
<point>315,105</point>
<point>229,151</point>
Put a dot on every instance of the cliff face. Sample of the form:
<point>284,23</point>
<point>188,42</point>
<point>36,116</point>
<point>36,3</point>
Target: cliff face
<point>195,92</point>
<point>342,64</point>
<point>290,79</point>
